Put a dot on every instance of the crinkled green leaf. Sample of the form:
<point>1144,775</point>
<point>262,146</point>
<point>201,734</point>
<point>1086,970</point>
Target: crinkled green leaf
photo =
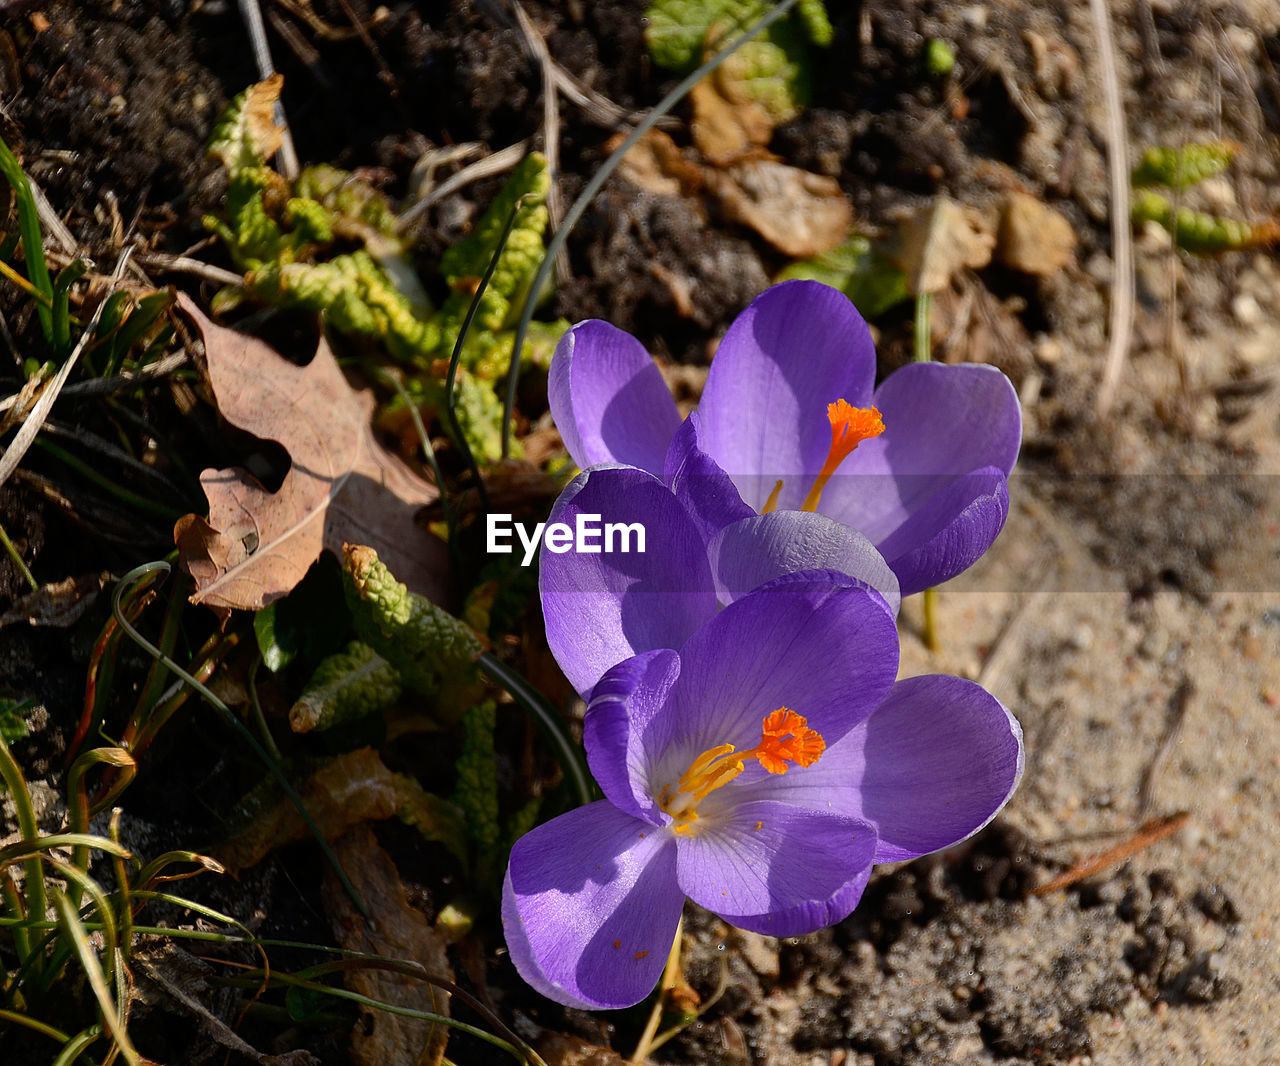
<point>477,789</point>
<point>465,263</point>
<point>870,280</point>
<point>433,651</point>
<point>353,291</point>
<point>354,202</point>
<point>1180,168</point>
<point>354,683</point>
<point>772,70</point>
<point>1198,232</point>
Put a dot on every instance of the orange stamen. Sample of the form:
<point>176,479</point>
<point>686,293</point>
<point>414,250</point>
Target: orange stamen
<point>785,737</point>
<point>772,502</point>
<point>850,426</point>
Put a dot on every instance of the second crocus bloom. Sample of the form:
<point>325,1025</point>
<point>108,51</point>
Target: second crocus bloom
<point>791,414</point>
<point>759,769</point>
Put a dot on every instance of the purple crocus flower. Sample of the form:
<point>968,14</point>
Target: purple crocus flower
<point>791,414</point>
<point>759,770</point>
<point>604,607</point>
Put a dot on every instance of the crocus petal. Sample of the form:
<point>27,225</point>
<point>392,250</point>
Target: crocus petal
<point>774,868</point>
<point>799,347</point>
<point>949,532</point>
<point>608,399</point>
<point>755,550</point>
<point>707,492</point>
<point>940,757</point>
<point>603,608</point>
<point>941,422</point>
<point>623,703</point>
<point>955,418</point>
<point>816,643</point>
<point>590,906</point>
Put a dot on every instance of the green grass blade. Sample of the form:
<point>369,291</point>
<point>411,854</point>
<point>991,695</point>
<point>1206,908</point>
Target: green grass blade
<point>32,237</point>
<point>112,1017</point>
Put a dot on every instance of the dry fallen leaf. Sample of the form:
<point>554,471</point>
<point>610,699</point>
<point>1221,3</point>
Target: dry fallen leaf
<point>725,130</point>
<point>351,788</point>
<point>355,787</point>
<point>394,930</point>
<point>799,213</point>
<point>942,238</point>
<point>342,485</point>
<point>656,164</point>
<point>260,116</point>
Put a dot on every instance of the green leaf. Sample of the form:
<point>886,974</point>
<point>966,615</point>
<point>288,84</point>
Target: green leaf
<point>477,789</point>
<point>772,70</point>
<point>433,651</point>
<point>246,135</point>
<point>310,623</point>
<point>32,237</point>
<point>1200,233</point>
<point>13,719</point>
<point>870,280</point>
<point>355,683</point>
<point>305,1005</point>
<point>1180,168</point>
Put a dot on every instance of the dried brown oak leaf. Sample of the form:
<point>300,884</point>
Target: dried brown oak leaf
<point>395,930</point>
<point>342,486</point>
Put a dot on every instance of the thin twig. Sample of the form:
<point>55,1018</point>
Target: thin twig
<point>105,386</point>
<point>1120,330</point>
<point>182,264</point>
<point>1148,833</point>
<point>496,163</point>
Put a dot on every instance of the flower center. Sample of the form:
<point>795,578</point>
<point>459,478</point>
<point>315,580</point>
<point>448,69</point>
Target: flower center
<point>785,737</point>
<point>850,426</point>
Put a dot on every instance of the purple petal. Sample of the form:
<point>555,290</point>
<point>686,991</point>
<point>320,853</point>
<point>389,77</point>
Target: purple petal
<point>949,532</point>
<point>817,644</point>
<point>622,705</point>
<point>707,492</point>
<point>940,757</point>
<point>609,400</point>
<point>799,347</point>
<point>774,868</point>
<point>756,550</point>
<point>949,419</point>
<point>590,906</point>
<point>941,422</point>
<point>603,608</point>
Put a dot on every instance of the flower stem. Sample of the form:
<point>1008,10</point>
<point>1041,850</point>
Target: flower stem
<point>923,353</point>
<point>670,978</point>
